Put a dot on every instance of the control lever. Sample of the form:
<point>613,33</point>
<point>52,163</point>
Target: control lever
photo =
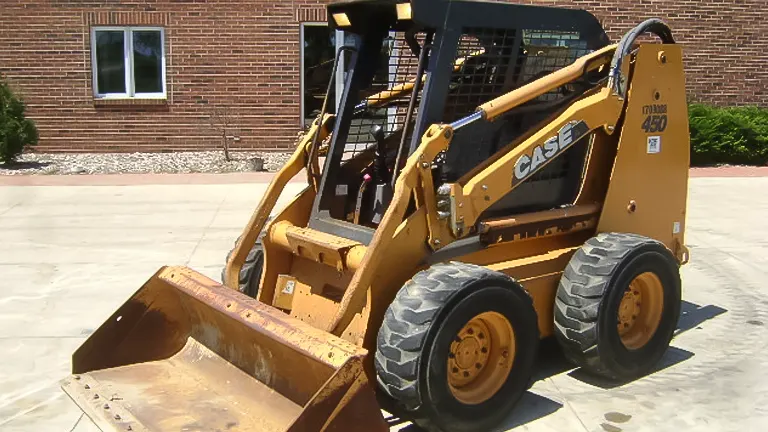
<point>382,188</point>
<point>380,172</point>
<point>360,194</point>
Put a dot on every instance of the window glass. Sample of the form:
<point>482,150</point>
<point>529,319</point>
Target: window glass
<point>110,61</point>
<point>319,54</point>
<point>147,61</point>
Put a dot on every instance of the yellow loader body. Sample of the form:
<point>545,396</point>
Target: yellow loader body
<point>187,353</point>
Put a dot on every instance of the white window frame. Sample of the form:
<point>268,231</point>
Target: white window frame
<point>128,58</point>
<point>339,72</point>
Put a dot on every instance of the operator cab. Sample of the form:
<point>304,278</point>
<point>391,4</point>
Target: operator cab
<point>413,64</point>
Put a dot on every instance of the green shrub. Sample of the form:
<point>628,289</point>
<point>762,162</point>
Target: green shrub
<point>16,131</point>
<point>728,135</point>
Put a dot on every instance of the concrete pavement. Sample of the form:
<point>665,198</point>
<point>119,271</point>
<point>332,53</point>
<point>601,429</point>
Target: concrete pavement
<point>72,254</point>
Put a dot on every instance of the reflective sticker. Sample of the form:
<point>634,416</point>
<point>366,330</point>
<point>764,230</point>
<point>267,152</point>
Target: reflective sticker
<point>341,189</point>
<point>289,286</point>
<point>654,144</point>
<point>676,228</point>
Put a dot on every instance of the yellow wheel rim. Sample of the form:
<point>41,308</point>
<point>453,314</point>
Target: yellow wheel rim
<point>480,358</point>
<point>640,310</point>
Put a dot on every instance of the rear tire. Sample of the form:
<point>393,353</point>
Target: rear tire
<point>617,305</point>
<point>457,347</point>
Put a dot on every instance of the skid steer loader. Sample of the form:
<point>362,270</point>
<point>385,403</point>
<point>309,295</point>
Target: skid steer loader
<point>494,174</point>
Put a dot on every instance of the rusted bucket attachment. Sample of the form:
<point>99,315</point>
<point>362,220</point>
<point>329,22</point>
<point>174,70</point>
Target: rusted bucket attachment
<point>187,354</point>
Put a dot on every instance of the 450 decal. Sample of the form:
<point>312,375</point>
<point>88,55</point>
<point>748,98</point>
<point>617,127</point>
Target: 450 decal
<point>568,134</point>
<point>656,118</point>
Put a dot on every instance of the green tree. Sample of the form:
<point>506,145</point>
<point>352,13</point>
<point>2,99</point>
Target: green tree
<point>16,131</point>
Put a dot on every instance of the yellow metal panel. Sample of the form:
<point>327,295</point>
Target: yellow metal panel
<point>648,188</point>
<point>543,290</point>
<point>540,276</point>
<point>278,260</point>
<point>284,291</point>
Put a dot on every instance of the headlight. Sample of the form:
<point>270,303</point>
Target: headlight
<point>342,20</point>
<point>404,11</point>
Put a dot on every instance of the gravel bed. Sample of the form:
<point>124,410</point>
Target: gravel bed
<point>134,163</point>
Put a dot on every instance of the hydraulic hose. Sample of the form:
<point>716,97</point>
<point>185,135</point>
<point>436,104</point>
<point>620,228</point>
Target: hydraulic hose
<point>653,25</point>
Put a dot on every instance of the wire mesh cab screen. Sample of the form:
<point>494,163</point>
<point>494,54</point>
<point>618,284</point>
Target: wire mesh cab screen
<point>386,99</point>
<point>494,62</point>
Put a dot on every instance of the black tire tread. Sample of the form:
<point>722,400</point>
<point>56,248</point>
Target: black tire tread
<point>407,322</point>
<point>581,290</point>
<point>251,267</point>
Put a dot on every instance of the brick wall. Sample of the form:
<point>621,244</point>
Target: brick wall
<point>724,41</point>
<point>243,56</point>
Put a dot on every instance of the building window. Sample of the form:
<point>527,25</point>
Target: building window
<point>319,45</point>
<point>128,62</point>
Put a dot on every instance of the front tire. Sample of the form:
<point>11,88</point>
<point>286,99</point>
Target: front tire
<point>457,347</point>
<point>617,305</point>
<point>250,273</point>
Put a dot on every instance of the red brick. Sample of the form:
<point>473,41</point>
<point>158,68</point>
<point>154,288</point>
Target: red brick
<point>245,55</point>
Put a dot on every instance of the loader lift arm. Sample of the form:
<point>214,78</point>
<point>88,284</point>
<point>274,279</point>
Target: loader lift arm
<point>600,110</point>
<point>303,157</point>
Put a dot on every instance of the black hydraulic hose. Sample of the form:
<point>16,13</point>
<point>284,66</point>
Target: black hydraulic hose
<point>653,25</point>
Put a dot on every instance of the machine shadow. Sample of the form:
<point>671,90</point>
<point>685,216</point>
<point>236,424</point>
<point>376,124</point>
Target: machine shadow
<point>13,166</point>
<point>552,362</point>
<point>691,316</point>
<point>529,408</point>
